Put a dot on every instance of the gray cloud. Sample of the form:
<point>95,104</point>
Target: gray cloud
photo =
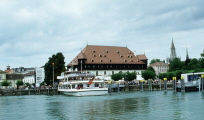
<point>34,30</point>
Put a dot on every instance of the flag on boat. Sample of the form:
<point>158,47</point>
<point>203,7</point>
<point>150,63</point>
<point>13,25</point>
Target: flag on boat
<point>91,81</point>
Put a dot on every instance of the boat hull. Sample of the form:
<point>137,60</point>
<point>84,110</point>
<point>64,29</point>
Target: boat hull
<point>85,92</point>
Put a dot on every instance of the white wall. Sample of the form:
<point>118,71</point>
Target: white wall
<point>40,76</point>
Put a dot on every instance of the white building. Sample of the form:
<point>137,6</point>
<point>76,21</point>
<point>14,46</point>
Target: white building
<point>160,67</point>
<point>40,76</point>
<point>29,78</point>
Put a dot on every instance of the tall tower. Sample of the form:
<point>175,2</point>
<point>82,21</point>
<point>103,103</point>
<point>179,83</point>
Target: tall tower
<point>173,51</point>
<point>187,58</point>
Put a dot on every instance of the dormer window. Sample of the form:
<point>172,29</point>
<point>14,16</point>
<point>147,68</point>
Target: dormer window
<point>94,51</point>
<point>117,51</point>
<point>110,60</point>
<point>107,51</point>
<point>104,55</point>
<point>101,60</point>
<point>121,56</point>
<point>92,60</point>
<point>128,56</point>
<point>94,55</point>
<point>125,60</point>
<point>100,55</point>
<point>131,60</point>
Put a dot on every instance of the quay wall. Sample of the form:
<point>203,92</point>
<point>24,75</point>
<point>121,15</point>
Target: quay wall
<point>19,92</point>
<point>146,87</point>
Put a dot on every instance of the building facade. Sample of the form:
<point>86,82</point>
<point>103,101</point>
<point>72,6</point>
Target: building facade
<point>107,60</point>
<point>160,67</point>
<point>29,78</point>
<point>40,76</point>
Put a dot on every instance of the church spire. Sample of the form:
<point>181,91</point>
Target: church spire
<point>187,57</point>
<point>173,51</point>
<point>172,44</point>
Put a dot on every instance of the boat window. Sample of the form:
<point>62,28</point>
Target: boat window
<point>96,85</point>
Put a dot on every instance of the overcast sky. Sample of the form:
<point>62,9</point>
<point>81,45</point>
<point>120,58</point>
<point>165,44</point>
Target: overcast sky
<point>31,31</point>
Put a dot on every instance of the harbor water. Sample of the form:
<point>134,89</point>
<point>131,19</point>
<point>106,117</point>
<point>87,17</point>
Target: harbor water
<point>156,105</point>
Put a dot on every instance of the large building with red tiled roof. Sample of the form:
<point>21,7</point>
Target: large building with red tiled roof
<point>107,60</point>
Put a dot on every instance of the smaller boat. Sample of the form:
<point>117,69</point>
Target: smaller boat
<point>76,83</point>
<point>191,82</point>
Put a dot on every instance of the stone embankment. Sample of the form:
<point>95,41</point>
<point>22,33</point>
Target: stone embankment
<point>18,92</point>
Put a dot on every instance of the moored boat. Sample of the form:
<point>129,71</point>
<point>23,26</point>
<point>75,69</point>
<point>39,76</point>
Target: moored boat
<point>81,84</point>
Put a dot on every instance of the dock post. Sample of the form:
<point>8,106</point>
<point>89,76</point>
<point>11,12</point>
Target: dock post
<point>118,87</point>
<point>109,88</point>
<point>182,84</point>
<point>202,82</point>
<point>141,84</point>
<point>165,84</point>
<point>150,84</point>
<point>174,84</point>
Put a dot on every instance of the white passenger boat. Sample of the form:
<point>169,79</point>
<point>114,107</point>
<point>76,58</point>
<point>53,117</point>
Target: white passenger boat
<point>81,84</point>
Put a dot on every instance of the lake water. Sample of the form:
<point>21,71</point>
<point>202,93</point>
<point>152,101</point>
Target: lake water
<point>156,105</point>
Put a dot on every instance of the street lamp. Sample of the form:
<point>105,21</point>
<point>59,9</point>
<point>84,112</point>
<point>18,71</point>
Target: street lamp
<point>53,72</point>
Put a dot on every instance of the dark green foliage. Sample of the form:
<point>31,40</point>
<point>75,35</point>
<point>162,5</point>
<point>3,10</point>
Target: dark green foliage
<point>176,64</point>
<point>151,69</point>
<point>193,64</point>
<point>178,74</point>
<point>170,75</point>
<point>5,83</point>
<point>155,60</point>
<point>162,76</point>
<point>19,83</point>
<point>148,74</point>
<point>28,85</point>
<point>117,76</point>
<point>202,54</point>
<point>201,63</point>
<point>129,76</point>
<point>59,67</point>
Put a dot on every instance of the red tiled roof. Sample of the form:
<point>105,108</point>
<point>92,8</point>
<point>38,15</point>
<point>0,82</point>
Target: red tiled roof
<point>108,55</point>
<point>159,64</point>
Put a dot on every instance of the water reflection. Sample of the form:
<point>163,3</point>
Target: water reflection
<point>127,105</point>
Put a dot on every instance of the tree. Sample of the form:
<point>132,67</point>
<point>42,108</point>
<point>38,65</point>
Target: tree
<point>129,76</point>
<point>19,83</point>
<point>170,75</point>
<point>178,74</point>
<point>155,60</point>
<point>151,69</point>
<point>202,54</point>
<point>117,76</point>
<point>5,83</point>
<point>162,76</point>
<point>147,74</point>
<point>59,67</point>
<point>193,64</point>
<point>175,64</point>
<point>201,63</point>
<point>28,85</point>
